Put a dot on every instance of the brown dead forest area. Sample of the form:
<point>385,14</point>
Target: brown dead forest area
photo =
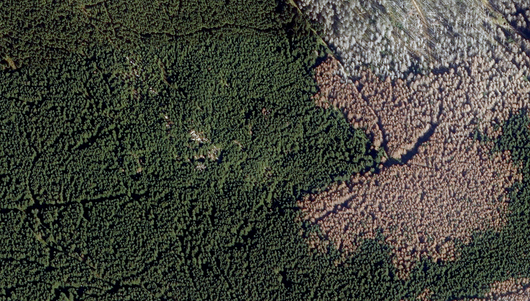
<point>444,185</point>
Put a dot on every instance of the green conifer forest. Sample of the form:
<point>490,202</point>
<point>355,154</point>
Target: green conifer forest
<point>155,150</point>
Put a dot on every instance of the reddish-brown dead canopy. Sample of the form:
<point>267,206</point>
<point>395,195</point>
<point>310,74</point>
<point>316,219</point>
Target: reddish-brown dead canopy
<point>451,185</point>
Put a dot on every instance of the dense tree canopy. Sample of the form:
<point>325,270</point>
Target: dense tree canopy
<point>153,172</point>
<point>168,169</point>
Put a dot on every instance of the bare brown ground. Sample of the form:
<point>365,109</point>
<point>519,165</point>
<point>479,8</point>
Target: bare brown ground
<point>450,188</point>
